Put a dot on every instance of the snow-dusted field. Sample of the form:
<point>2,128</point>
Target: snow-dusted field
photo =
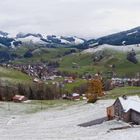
<point>61,123</point>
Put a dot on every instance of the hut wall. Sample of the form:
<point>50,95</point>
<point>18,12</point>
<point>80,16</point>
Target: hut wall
<point>135,117</point>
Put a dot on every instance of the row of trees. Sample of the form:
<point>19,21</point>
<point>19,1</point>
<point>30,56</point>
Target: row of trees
<point>42,91</point>
<point>38,91</point>
<point>33,91</point>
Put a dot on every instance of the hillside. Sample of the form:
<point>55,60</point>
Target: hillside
<point>33,54</point>
<point>8,75</point>
<point>128,37</point>
<point>83,62</point>
<point>61,123</point>
<point>91,60</point>
<point>30,39</point>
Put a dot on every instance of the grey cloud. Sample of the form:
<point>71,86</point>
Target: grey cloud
<point>85,18</point>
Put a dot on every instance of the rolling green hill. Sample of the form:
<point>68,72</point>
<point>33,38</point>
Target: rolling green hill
<point>79,62</point>
<point>83,63</point>
<point>41,54</point>
<point>13,76</point>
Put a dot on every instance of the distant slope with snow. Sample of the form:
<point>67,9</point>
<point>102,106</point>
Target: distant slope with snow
<point>31,39</point>
<point>128,37</point>
<point>111,47</point>
<point>65,40</point>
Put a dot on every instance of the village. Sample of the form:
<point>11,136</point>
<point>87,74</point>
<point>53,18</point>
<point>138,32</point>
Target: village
<point>43,74</point>
<point>70,70</point>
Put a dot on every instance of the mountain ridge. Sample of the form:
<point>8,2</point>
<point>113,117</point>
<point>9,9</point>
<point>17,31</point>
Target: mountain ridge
<point>38,39</point>
<point>128,37</point>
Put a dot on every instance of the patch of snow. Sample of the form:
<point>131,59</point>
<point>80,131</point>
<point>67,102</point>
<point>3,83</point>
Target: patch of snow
<point>123,42</point>
<point>27,101</point>
<point>62,123</point>
<point>78,41</point>
<point>1,35</point>
<point>2,45</point>
<point>94,44</point>
<point>12,45</point>
<point>31,39</point>
<point>117,48</point>
<point>64,41</point>
<point>132,33</point>
<point>10,36</point>
<point>131,102</point>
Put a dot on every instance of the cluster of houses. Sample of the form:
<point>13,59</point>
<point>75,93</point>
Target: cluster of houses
<point>120,82</point>
<point>40,71</point>
<point>126,109</point>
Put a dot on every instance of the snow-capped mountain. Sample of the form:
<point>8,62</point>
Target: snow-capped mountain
<point>38,39</point>
<point>50,39</point>
<point>3,34</point>
<point>30,38</point>
<point>128,37</point>
<point>7,41</point>
<point>65,40</point>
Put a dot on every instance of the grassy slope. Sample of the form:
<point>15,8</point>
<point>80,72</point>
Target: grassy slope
<point>123,66</point>
<point>13,76</point>
<point>70,86</point>
<point>38,105</point>
<point>84,61</point>
<point>44,54</point>
<point>33,106</point>
<point>122,91</point>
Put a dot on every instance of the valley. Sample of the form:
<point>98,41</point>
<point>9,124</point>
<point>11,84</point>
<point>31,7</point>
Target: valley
<point>52,74</point>
<point>69,70</point>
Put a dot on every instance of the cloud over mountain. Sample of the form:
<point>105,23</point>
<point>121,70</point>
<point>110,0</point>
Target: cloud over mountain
<point>84,18</point>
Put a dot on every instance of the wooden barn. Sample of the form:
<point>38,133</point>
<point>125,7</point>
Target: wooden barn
<point>19,98</point>
<point>126,109</point>
<point>75,96</point>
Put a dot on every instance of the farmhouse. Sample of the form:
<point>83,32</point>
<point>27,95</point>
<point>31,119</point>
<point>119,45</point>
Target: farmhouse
<point>73,96</point>
<point>19,98</point>
<point>126,109</point>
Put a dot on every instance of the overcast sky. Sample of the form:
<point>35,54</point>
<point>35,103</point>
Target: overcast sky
<point>83,18</point>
